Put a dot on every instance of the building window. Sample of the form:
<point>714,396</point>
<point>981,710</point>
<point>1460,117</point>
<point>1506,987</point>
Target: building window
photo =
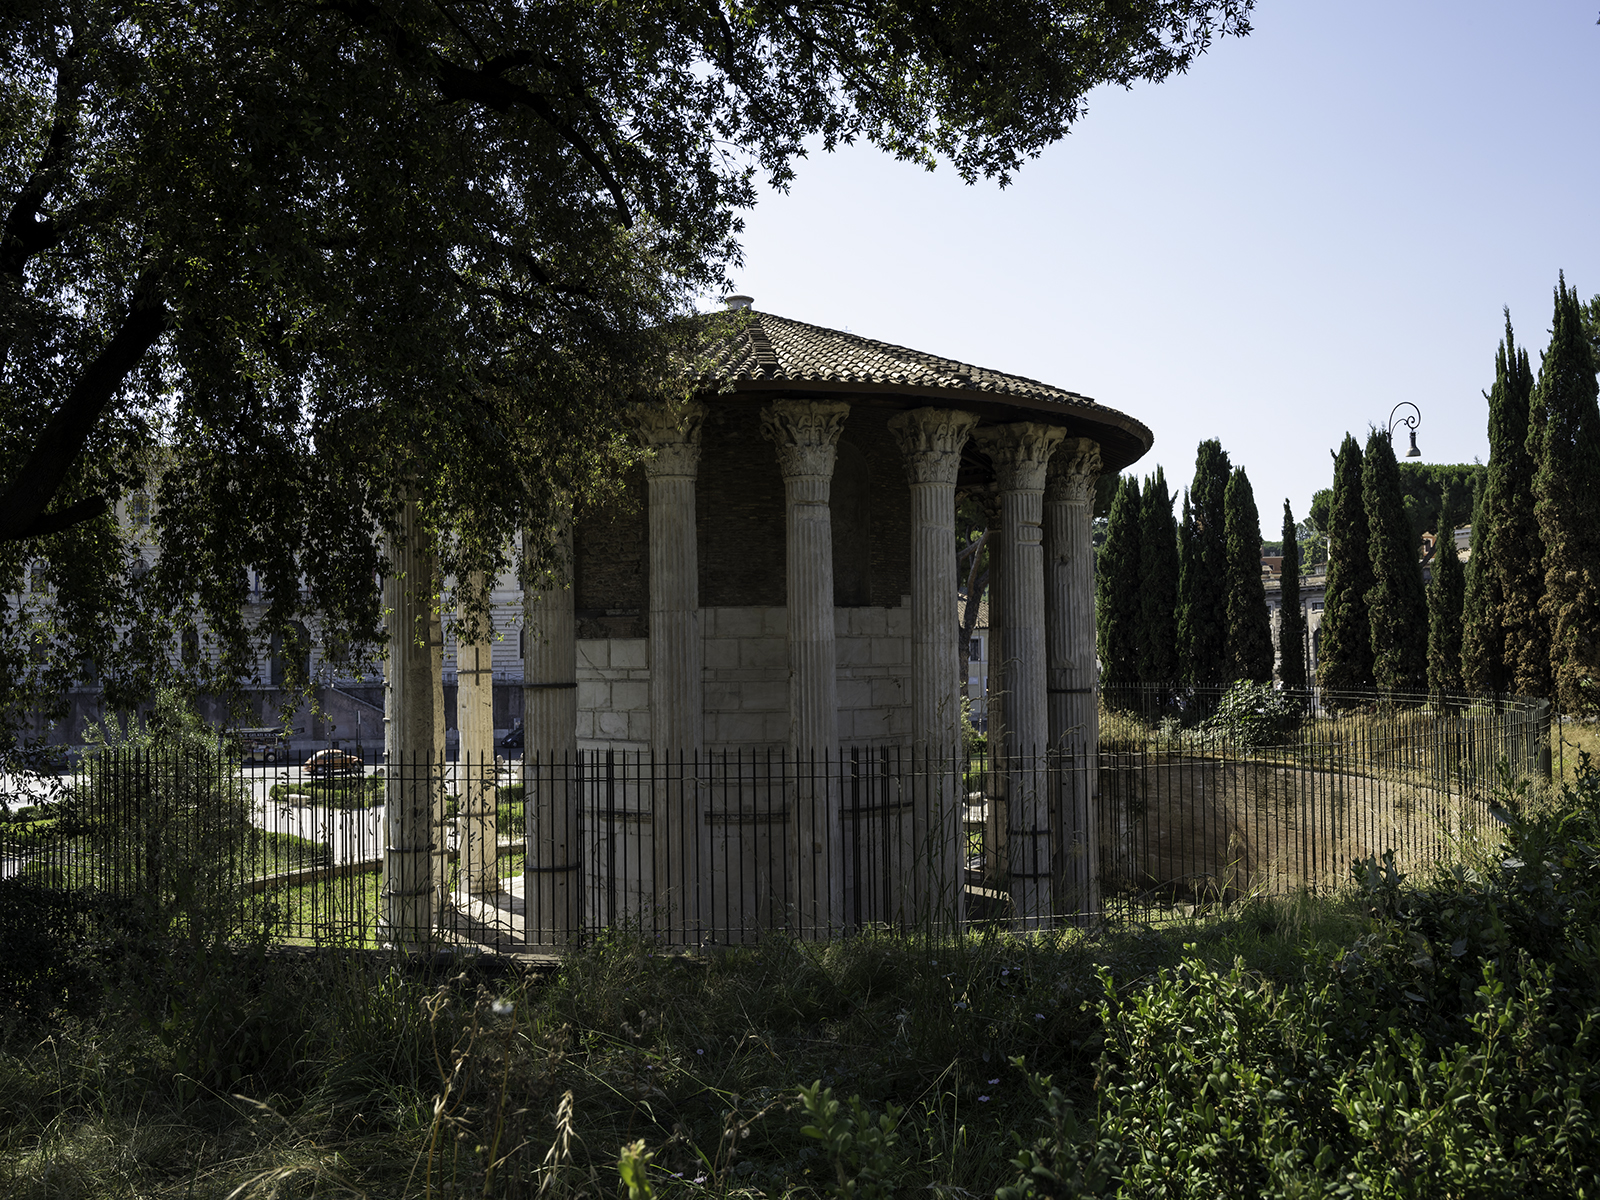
<point>38,577</point>
<point>139,509</point>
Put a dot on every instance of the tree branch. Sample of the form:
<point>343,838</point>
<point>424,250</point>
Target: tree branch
<point>61,441</point>
<point>486,86</point>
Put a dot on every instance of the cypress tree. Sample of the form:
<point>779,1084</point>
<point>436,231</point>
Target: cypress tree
<point>1344,659</point>
<point>1447,594</point>
<point>1397,606</point>
<point>1249,627</point>
<point>1291,617</point>
<point>1482,664</point>
<point>1506,642</point>
<point>1203,570</point>
<point>1117,607</point>
<point>1158,577</point>
<point>1564,434</point>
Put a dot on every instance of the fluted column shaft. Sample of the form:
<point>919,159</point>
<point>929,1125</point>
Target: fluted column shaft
<point>806,437</point>
<point>994,837</point>
<point>677,699</point>
<point>413,736</point>
<point>553,884</point>
<point>1020,453</point>
<point>931,440</point>
<point>1073,671</point>
<point>475,765</point>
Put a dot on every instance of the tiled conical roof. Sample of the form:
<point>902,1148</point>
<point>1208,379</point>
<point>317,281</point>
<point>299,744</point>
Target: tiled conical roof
<point>777,353</point>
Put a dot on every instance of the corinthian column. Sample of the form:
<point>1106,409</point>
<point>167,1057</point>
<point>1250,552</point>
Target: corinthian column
<point>553,879</point>
<point>413,736</point>
<point>931,440</point>
<point>475,764</point>
<point>806,436</point>
<point>994,780</point>
<point>676,664</point>
<point>1070,654</point>
<point>1020,453</point>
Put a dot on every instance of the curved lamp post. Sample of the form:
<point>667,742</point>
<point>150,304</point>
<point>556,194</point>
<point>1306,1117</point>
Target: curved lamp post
<point>1411,420</point>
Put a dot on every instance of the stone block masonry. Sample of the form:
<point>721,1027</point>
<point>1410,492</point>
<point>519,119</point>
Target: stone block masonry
<point>746,684</point>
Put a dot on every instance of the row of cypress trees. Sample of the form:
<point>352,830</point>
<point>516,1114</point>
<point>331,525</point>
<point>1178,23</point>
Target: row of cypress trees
<point>1183,601</point>
<point>1525,616</point>
<point>1532,606</point>
<point>1375,608</point>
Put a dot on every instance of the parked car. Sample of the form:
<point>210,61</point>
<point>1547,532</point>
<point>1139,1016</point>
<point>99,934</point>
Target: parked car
<point>332,762</point>
<point>512,740</point>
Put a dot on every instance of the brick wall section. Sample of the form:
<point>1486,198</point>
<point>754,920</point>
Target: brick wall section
<point>612,552</point>
<point>889,503</point>
<point>747,684</point>
<point>739,511</point>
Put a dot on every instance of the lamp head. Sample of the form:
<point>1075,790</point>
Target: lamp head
<point>1413,452</point>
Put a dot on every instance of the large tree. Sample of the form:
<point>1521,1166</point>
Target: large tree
<point>1506,641</point>
<point>287,265</point>
<point>1249,626</point>
<point>1344,650</point>
<point>1564,435</point>
<point>1117,594</point>
<point>1203,570</point>
<point>1158,583</point>
<point>1291,617</point>
<point>1397,607</point>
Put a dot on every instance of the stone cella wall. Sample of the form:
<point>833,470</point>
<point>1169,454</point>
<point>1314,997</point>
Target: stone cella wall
<point>746,681</point>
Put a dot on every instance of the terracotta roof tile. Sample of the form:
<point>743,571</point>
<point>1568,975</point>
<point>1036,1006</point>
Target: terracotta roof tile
<point>777,349</point>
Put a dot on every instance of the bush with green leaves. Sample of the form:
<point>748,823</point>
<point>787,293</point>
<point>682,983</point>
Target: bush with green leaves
<point>162,804</point>
<point>1251,715</point>
<point>1453,1050</point>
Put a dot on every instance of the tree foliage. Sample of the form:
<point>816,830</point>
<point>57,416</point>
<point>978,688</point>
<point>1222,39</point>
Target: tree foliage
<point>1203,570</point>
<point>1447,592</point>
<point>1505,644</point>
<point>1397,607</point>
<point>1291,617</point>
<point>1158,583</point>
<point>1426,488</point>
<point>1344,653</point>
<point>286,265</point>
<point>1564,436</point>
<point>1249,626</point>
<point>1118,611</point>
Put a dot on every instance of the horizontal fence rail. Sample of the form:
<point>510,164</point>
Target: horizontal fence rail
<point>1196,798</point>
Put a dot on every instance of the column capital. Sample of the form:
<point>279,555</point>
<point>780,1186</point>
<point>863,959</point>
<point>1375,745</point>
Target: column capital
<point>673,432</point>
<point>1073,470</point>
<point>931,440</point>
<point>1019,453</point>
<point>805,434</point>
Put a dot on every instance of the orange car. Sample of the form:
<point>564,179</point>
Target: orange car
<point>332,762</point>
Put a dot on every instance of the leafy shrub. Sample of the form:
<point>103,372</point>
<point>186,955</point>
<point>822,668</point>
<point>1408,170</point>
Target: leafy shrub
<point>1452,1050</point>
<point>333,791</point>
<point>1251,715</point>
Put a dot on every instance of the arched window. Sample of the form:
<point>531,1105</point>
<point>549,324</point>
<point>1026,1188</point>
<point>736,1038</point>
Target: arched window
<point>39,577</point>
<point>139,509</point>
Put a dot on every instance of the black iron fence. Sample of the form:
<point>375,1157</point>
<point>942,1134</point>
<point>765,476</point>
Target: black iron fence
<point>1196,797</point>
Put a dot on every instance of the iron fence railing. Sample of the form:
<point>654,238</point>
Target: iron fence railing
<point>1196,797</point>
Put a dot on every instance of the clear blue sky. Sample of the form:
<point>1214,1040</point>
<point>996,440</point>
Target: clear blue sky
<point>1318,221</point>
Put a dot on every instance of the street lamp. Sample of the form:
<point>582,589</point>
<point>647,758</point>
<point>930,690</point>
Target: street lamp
<point>1410,421</point>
